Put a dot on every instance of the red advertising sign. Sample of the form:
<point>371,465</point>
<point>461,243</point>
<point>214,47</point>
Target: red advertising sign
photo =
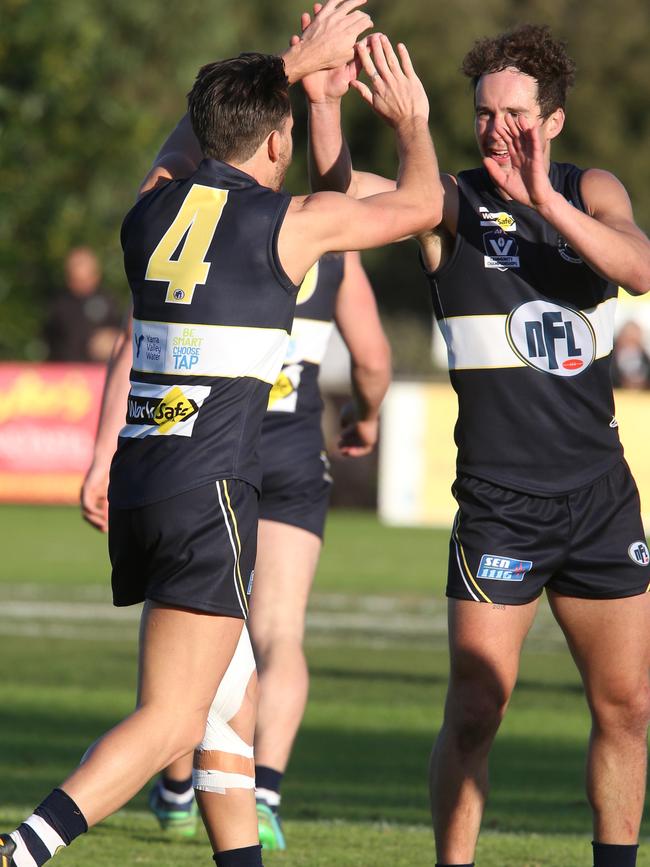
<point>48,419</point>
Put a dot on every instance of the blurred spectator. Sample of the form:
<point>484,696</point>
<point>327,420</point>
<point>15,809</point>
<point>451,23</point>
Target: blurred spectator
<point>83,321</point>
<point>630,361</point>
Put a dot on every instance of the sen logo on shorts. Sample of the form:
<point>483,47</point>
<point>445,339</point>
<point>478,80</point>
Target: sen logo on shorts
<point>638,553</point>
<point>498,568</point>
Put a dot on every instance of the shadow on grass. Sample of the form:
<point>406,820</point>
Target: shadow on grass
<point>428,680</point>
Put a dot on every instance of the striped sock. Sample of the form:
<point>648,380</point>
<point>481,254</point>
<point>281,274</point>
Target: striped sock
<point>267,786</point>
<point>53,825</point>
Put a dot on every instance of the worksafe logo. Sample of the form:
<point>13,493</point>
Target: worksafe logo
<point>164,412</point>
<point>638,553</point>
<point>502,250</point>
<point>284,393</point>
<point>501,219</point>
<point>497,568</point>
<point>551,338</point>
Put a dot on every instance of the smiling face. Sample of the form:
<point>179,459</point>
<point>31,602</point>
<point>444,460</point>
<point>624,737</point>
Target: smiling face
<point>513,93</point>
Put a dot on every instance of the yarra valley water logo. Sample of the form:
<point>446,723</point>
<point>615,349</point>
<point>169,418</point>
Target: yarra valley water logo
<point>551,338</point>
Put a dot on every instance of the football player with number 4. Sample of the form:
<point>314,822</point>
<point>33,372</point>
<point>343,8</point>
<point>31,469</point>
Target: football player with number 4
<point>524,268</point>
<point>215,258</point>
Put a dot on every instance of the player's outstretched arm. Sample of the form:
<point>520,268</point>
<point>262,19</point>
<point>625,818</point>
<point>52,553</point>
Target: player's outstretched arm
<point>358,321</point>
<point>330,164</point>
<point>327,41</point>
<point>94,500</point>
<point>330,221</point>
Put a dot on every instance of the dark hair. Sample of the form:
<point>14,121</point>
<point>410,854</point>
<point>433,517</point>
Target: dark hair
<point>531,49</point>
<point>234,104</point>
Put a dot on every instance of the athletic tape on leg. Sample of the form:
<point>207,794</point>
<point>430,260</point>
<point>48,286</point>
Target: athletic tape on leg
<point>224,760</point>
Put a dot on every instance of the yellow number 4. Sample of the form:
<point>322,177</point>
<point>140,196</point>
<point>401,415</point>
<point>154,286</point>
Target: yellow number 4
<point>196,223</point>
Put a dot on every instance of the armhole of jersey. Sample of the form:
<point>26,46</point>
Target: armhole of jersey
<point>577,185</point>
<point>280,274</point>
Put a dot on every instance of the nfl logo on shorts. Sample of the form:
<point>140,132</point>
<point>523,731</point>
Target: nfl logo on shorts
<point>498,568</point>
<point>638,553</point>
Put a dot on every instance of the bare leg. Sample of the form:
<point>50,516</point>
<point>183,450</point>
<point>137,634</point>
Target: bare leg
<point>183,656</point>
<point>231,819</point>
<point>610,642</point>
<point>485,644</point>
<point>284,570</point>
<point>179,770</point>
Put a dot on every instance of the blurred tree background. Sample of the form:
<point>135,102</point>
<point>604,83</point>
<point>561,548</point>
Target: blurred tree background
<point>90,88</point>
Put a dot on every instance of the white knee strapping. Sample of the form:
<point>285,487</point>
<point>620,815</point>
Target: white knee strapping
<point>224,760</point>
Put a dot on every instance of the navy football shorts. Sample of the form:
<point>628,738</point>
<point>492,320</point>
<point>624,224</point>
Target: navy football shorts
<point>506,546</point>
<point>194,550</point>
<point>296,483</point>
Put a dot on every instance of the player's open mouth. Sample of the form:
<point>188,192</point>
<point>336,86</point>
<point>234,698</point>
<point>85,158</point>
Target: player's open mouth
<point>499,156</point>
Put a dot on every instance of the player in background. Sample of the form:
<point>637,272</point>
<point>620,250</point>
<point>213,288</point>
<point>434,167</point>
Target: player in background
<point>295,494</point>
<point>524,268</point>
<point>183,517</point>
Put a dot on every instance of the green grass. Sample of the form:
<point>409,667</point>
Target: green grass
<point>355,792</point>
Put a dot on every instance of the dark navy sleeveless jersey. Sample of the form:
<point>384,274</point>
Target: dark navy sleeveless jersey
<point>212,311</point>
<point>529,333</point>
<point>293,420</point>
<point>295,392</point>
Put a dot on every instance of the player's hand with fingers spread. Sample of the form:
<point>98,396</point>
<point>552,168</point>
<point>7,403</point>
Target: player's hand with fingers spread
<point>327,85</point>
<point>526,180</point>
<point>395,91</point>
<point>328,39</point>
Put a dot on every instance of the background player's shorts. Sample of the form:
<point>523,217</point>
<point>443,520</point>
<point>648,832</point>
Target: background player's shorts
<point>195,550</point>
<point>506,547</point>
<point>296,488</point>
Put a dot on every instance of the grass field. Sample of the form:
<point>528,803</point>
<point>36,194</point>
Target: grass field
<point>355,794</point>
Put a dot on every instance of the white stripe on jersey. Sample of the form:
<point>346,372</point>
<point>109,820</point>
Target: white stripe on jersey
<point>308,340</point>
<point>481,342</point>
<point>178,349</point>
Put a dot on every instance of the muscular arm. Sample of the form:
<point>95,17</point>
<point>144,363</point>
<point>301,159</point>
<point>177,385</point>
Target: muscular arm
<point>332,221</point>
<point>330,163</point>
<point>94,502</point>
<point>606,237</point>
<point>370,368</point>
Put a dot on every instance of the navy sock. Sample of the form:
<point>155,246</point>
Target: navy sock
<point>55,822</point>
<point>610,855</point>
<point>268,778</point>
<point>249,856</point>
<point>178,787</point>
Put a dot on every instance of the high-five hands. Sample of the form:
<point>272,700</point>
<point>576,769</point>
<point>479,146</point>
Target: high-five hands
<point>395,91</point>
<point>526,180</point>
<point>326,85</point>
<point>328,39</point>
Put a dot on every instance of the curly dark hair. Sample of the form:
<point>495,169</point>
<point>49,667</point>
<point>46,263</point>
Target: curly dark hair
<point>531,49</point>
<point>235,103</point>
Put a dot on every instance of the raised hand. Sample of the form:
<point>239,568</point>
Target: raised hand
<point>328,39</point>
<point>326,85</point>
<point>395,92</point>
<point>526,180</point>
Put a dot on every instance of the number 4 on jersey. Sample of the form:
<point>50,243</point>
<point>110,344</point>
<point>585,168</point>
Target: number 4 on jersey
<point>193,228</point>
